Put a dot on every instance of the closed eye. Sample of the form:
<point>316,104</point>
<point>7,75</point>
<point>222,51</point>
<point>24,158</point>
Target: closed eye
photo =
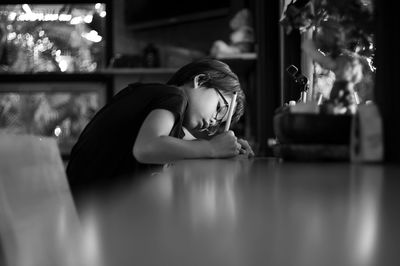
<point>218,106</point>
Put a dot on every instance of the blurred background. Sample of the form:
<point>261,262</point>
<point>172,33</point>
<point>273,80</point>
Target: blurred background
<point>61,61</point>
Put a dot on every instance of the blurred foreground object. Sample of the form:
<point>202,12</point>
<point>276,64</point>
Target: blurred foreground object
<point>366,135</point>
<point>39,224</point>
<point>28,156</point>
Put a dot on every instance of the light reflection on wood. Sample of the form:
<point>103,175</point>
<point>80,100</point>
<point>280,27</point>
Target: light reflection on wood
<point>203,212</point>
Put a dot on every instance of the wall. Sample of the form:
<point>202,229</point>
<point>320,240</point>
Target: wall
<point>191,39</point>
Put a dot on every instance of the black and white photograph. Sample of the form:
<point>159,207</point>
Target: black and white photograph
<point>209,133</point>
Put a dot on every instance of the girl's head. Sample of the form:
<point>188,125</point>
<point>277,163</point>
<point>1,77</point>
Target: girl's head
<point>209,84</point>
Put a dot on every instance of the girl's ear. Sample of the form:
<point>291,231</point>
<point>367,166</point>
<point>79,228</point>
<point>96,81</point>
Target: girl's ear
<point>196,80</point>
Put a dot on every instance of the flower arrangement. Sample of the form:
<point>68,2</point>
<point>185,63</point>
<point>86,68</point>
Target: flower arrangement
<point>342,42</point>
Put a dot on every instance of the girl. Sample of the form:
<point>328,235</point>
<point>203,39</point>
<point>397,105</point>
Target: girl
<point>153,124</point>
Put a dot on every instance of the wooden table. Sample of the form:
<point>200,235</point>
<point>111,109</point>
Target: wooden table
<point>209,212</point>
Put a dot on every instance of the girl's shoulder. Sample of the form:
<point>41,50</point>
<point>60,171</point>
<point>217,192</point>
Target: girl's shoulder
<point>159,95</point>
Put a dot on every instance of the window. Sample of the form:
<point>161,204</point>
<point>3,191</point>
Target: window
<point>52,37</point>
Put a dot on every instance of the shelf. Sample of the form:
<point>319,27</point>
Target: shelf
<point>241,56</point>
<point>46,77</point>
<point>241,64</point>
<point>100,75</point>
<point>139,71</point>
<point>177,19</point>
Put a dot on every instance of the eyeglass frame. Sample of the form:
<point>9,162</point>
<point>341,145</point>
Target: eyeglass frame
<point>215,128</point>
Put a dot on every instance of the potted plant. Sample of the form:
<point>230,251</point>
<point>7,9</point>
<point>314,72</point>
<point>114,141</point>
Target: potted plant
<point>342,45</point>
<point>342,42</point>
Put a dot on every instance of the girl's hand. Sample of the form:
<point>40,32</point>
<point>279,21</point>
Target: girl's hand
<point>224,145</point>
<point>246,150</point>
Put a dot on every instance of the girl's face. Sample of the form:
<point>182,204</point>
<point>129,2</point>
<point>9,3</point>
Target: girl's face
<point>202,108</point>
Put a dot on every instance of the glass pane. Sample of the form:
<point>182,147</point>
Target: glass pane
<point>52,38</point>
<point>58,114</point>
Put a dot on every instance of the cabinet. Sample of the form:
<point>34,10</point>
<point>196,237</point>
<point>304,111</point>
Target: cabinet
<point>53,105</point>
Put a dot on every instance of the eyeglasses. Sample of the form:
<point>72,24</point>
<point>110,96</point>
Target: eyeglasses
<point>219,116</point>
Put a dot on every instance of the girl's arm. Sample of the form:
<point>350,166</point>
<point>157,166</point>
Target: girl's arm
<point>188,135</point>
<point>154,145</point>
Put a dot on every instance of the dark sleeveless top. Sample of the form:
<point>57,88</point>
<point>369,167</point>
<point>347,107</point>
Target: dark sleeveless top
<point>104,148</point>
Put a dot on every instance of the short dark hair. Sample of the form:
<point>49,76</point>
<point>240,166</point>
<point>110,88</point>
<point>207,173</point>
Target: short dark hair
<point>217,74</point>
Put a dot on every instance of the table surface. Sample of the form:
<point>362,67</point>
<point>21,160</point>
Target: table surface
<point>208,212</point>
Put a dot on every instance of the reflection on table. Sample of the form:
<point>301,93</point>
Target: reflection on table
<point>213,212</point>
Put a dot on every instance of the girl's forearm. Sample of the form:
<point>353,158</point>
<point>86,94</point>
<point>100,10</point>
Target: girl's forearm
<point>166,149</point>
